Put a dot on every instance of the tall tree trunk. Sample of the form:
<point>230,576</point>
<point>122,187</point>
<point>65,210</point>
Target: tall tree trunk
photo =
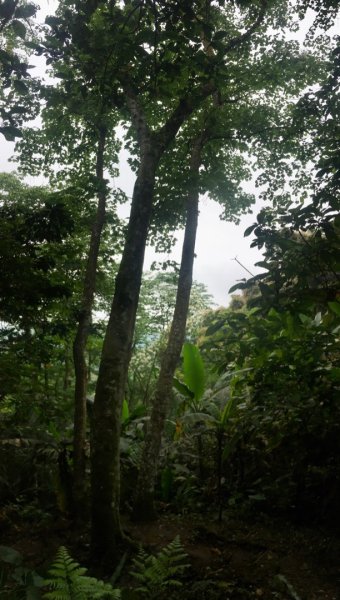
<point>144,500</point>
<point>219,464</point>
<point>80,341</point>
<point>112,377</point>
<point>105,458</point>
<point>67,372</point>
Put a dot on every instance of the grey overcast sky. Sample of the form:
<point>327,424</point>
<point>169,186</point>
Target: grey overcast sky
<point>218,242</point>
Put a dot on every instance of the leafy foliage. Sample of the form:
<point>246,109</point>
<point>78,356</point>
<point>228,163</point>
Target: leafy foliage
<point>35,223</point>
<point>18,96</point>
<point>156,304</point>
<point>279,341</point>
<point>269,399</point>
<point>288,417</point>
<point>157,573</point>
<point>68,581</point>
<point>287,335</point>
<point>17,582</point>
<point>193,370</point>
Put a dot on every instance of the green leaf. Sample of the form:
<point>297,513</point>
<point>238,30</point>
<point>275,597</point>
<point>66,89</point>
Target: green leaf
<point>10,556</point>
<point>125,411</point>
<point>10,133</point>
<point>257,497</point>
<point>228,410</point>
<point>193,369</point>
<point>335,307</point>
<point>20,87</point>
<point>220,35</point>
<point>305,319</point>
<point>335,373</point>
<point>34,46</point>
<point>263,264</point>
<point>19,28</point>
<point>52,21</point>
<point>230,447</point>
<point>265,290</point>
<point>249,230</point>
<point>182,388</point>
<point>25,12</point>
<point>7,9</point>
<point>238,286</point>
<point>273,314</point>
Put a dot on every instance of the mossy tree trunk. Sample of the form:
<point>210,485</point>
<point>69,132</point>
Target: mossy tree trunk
<point>144,508</point>
<point>105,457</point>
<point>82,333</point>
<point>105,468</point>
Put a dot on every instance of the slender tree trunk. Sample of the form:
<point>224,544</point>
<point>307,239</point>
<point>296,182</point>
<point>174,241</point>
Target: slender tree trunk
<point>105,457</point>
<point>219,451</point>
<point>80,341</point>
<point>144,500</point>
<point>112,377</point>
<point>46,385</point>
<point>67,373</point>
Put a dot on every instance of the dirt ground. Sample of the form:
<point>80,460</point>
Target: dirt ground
<point>245,559</point>
<point>238,559</point>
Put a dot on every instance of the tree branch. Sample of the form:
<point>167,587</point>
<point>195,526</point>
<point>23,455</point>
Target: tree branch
<point>237,41</point>
<point>137,115</point>
<point>187,105</point>
<point>184,109</point>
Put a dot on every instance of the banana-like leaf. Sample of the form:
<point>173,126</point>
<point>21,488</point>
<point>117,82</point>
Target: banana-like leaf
<point>193,369</point>
<point>125,411</point>
<point>197,417</point>
<point>182,388</point>
<point>228,410</point>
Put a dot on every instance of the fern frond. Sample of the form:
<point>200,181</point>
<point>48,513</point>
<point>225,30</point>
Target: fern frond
<point>67,581</point>
<point>163,570</point>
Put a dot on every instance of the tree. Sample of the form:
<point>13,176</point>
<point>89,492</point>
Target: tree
<point>287,337</point>
<point>76,139</point>
<point>84,322</point>
<point>300,236</point>
<point>215,141</point>
<point>157,70</point>
<point>191,82</point>
<point>18,97</point>
<point>41,238</point>
<point>34,223</point>
<point>153,320</point>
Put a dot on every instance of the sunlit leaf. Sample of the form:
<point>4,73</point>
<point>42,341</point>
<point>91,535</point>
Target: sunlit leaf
<point>193,369</point>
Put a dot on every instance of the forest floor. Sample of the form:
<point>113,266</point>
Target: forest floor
<point>239,559</point>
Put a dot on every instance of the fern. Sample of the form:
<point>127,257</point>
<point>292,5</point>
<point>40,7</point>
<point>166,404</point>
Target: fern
<point>68,581</point>
<point>156,573</point>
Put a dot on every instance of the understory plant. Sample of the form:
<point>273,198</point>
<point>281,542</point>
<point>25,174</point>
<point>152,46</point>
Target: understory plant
<point>17,582</point>
<point>68,581</point>
<point>157,574</point>
<point>207,413</point>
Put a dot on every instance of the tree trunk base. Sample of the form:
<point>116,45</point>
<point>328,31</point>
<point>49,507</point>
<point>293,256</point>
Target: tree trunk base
<point>106,560</point>
<point>144,510</point>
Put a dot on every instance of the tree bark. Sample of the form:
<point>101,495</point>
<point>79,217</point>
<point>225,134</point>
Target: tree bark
<point>80,341</point>
<point>144,509</point>
<point>106,531</point>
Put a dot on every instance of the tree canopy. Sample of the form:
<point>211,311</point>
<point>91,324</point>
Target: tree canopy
<point>136,391</point>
